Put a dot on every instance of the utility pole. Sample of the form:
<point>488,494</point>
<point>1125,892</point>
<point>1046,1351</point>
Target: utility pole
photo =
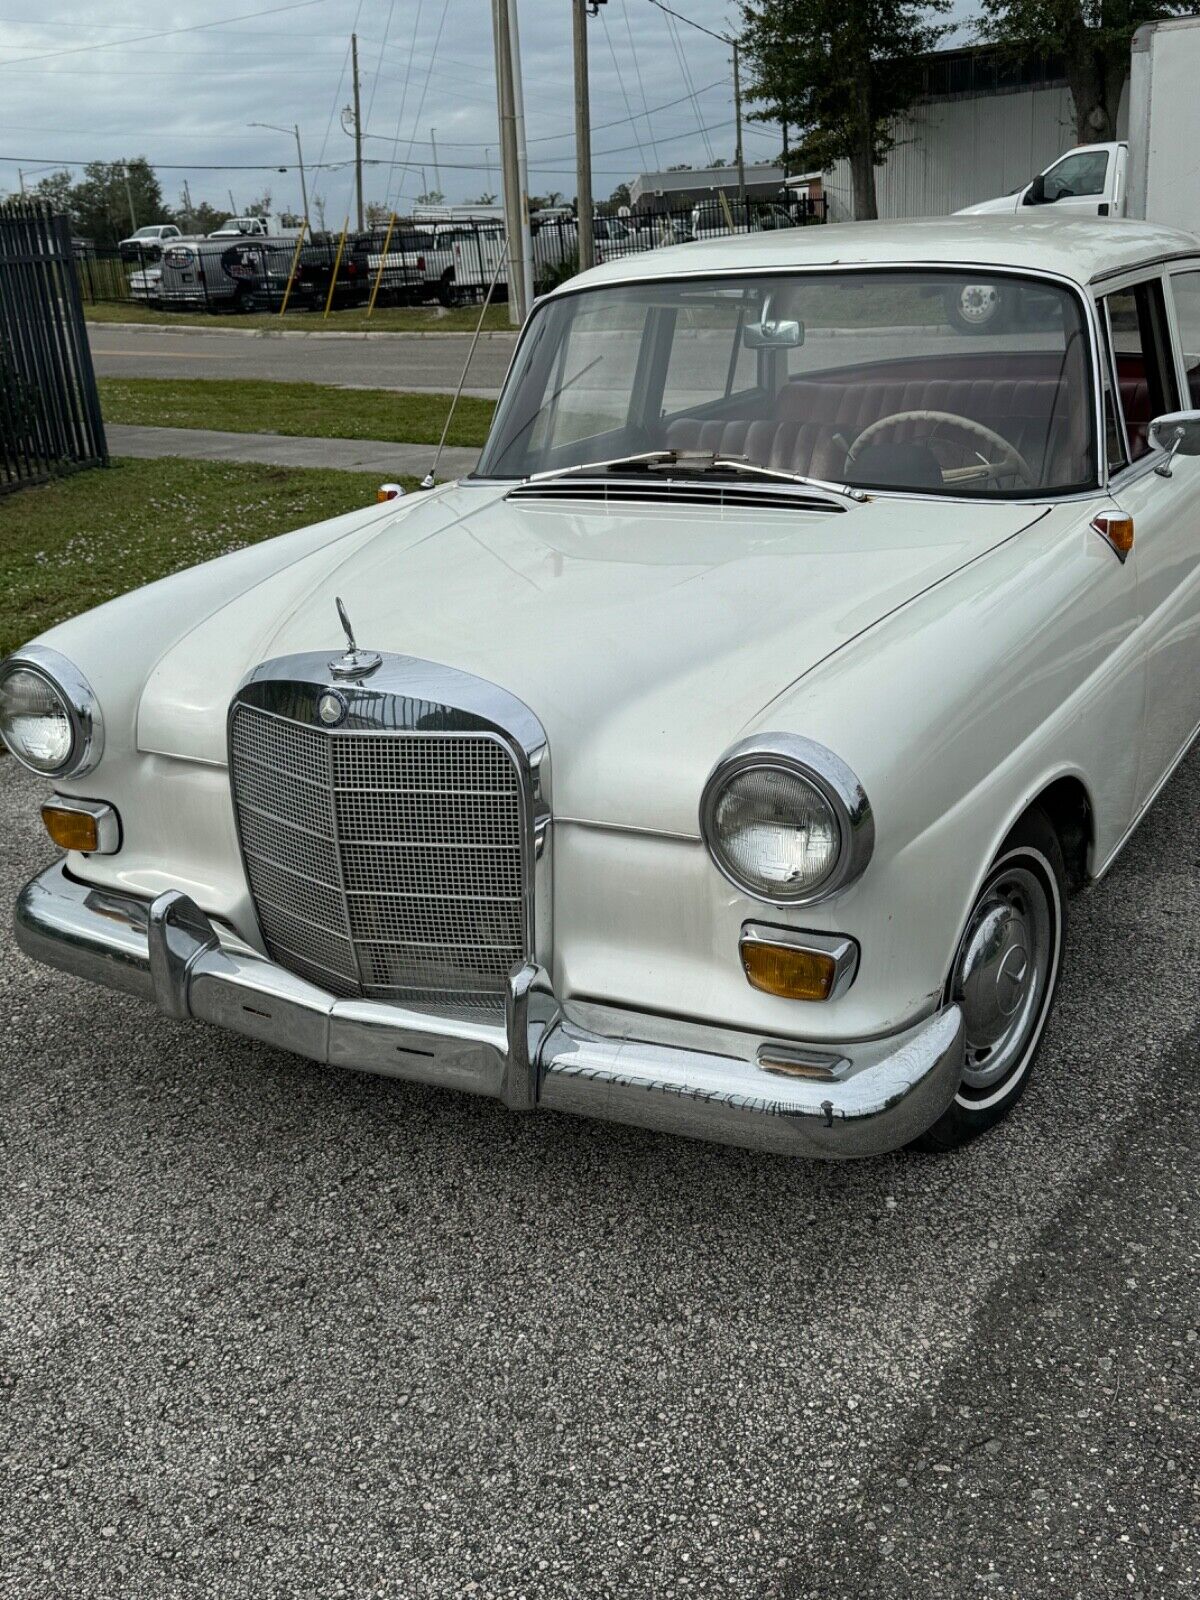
<point>518,100</point>
<point>129,198</point>
<point>187,206</point>
<point>357,133</point>
<point>437,176</point>
<point>737,111</point>
<point>512,160</point>
<point>583,137</point>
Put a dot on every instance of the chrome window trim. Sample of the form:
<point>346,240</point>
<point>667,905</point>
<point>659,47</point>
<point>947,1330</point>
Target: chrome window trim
<point>79,698</point>
<point>840,946</point>
<point>1130,278</point>
<point>835,781</point>
<point>1072,286</point>
<point>465,704</point>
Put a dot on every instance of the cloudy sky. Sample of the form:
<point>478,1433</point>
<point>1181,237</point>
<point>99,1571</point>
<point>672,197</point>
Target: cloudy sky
<point>99,81</point>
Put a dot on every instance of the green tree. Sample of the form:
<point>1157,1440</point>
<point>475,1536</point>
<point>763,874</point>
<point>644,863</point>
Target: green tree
<point>57,190</point>
<point>202,218</point>
<point>841,70</point>
<point>1092,36</point>
<point>100,201</point>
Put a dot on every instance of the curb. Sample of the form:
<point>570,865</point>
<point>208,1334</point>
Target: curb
<point>298,333</point>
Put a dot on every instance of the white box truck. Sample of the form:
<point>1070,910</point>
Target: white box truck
<point>1154,173</point>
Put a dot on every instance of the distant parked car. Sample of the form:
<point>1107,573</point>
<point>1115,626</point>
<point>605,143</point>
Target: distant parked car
<point>147,243</point>
<point>711,219</point>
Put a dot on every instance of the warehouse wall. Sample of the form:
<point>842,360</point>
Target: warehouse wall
<point>952,152</point>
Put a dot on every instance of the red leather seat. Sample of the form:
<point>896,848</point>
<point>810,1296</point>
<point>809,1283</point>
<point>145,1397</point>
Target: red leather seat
<point>817,420</point>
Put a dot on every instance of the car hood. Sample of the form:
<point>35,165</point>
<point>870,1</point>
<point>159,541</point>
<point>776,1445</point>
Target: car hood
<point>644,637</point>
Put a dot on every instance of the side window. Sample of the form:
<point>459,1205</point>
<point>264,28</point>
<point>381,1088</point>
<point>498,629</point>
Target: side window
<point>1080,174</point>
<point>1142,357</point>
<point>1185,286</point>
<point>709,360</point>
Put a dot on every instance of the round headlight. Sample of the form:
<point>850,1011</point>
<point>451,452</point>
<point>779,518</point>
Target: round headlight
<point>49,718</point>
<point>786,821</point>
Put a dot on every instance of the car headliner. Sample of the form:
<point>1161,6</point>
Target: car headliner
<point>1082,250</point>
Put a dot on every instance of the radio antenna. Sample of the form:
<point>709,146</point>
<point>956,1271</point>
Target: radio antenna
<point>430,478</point>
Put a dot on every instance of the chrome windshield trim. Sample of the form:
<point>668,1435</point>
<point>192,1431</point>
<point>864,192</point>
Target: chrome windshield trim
<point>1072,286</point>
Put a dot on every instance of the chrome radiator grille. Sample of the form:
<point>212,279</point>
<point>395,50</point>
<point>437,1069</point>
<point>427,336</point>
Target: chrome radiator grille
<point>390,865</point>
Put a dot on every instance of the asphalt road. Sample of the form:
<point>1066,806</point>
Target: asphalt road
<point>397,361</point>
<point>272,1330</point>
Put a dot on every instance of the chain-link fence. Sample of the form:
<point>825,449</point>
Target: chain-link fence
<point>403,263</point>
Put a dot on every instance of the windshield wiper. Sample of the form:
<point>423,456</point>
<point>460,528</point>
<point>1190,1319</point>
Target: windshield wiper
<point>700,461</point>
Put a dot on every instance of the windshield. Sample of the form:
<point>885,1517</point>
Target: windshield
<point>146,233</point>
<point>927,381</point>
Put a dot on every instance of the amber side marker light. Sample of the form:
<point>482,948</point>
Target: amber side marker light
<point>388,491</point>
<point>1116,528</point>
<point>799,967</point>
<point>90,826</point>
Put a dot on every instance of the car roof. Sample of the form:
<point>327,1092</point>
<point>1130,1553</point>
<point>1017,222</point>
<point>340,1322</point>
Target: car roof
<point>1082,250</point>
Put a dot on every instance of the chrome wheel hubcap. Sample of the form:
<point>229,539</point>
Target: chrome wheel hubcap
<point>1001,974</point>
<point>978,302</point>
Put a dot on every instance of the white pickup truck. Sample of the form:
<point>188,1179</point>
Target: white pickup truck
<point>1153,174</point>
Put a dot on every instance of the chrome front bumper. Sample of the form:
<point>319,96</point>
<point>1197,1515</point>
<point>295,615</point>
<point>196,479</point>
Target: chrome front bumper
<point>880,1094</point>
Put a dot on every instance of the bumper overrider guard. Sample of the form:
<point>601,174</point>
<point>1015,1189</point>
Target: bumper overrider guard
<point>880,1094</point>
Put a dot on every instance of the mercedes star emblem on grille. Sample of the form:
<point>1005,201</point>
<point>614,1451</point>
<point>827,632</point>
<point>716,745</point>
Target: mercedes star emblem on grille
<point>331,708</point>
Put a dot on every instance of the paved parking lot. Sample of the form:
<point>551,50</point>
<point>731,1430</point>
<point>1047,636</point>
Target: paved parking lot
<point>395,361</point>
<point>270,1330</point>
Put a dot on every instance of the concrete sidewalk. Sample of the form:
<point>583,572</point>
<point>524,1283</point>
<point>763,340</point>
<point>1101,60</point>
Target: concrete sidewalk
<point>277,450</point>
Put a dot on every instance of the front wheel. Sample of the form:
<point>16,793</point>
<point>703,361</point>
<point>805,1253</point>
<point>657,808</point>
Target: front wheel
<point>1004,978</point>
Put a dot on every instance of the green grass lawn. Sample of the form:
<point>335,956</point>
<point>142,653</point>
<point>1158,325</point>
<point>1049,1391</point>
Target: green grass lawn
<point>300,410</point>
<point>71,544</point>
<point>387,319</point>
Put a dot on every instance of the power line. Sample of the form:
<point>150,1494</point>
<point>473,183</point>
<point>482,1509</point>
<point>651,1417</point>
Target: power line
<point>621,85</point>
<point>553,138</point>
<point>165,33</point>
<point>637,67</point>
<point>437,39</point>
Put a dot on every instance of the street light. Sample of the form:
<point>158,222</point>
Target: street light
<point>294,130</point>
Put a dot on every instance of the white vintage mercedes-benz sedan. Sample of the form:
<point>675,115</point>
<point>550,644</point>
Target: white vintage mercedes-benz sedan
<point>718,757</point>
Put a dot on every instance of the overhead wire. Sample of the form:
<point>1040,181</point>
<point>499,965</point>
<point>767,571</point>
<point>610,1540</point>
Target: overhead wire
<point>164,33</point>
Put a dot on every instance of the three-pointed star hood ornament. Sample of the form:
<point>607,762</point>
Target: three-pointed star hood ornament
<point>355,663</point>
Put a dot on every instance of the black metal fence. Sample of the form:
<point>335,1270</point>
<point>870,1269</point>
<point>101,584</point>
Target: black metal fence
<point>405,262</point>
<point>50,419</point>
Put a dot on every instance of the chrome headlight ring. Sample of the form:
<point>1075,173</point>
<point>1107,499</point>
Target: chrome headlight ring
<point>78,700</point>
<point>832,779</point>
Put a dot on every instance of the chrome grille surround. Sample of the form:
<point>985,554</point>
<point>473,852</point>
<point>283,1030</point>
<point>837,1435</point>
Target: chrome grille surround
<point>403,855</point>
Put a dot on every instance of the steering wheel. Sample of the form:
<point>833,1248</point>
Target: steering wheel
<point>1012,461</point>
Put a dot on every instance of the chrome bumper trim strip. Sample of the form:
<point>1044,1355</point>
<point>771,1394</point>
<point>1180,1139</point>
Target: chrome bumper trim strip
<point>886,1091</point>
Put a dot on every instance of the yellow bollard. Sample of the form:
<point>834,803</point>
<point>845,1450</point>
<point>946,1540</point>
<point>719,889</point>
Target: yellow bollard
<point>337,261</point>
<point>383,258</point>
<point>287,293</point>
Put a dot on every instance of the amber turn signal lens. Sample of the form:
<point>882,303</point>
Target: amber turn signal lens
<point>388,491</point>
<point>71,830</point>
<point>791,974</point>
<point>1117,528</point>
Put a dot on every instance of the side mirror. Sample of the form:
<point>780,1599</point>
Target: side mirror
<point>1035,195</point>
<point>773,335</point>
<point>1178,433</point>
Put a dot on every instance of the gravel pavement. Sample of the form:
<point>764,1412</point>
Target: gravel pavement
<point>267,1329</point>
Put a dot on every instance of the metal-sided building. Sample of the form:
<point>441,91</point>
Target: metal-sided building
<point>984,125</point>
